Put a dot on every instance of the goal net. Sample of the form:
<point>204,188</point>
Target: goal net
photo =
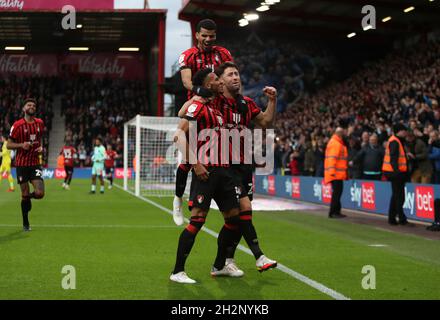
<point>150,156</point>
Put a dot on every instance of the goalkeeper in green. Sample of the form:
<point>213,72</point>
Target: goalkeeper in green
<point>98,158</point>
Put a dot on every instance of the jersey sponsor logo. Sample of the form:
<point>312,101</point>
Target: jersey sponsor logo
<point>236,117</point>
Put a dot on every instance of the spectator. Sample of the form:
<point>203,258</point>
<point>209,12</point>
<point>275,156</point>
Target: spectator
<point>422,168</point>
<point>294,164</point>
<point>370,159</point>
<point>434,154</point>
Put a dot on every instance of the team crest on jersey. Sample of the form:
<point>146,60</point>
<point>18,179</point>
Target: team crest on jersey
<point>32,137</point>
<point>216,58</point>
<point>199,61</point>
<point>200,198</point>
<point>220,120</point>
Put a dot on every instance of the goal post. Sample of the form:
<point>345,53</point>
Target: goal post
<point>150,156</point>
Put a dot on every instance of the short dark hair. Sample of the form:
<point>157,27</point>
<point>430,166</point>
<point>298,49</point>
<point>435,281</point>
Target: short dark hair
<point>221,68</point>
<point>207,24</point>
<point>200,76</point>
<point>29,100</point>
<point>399,127</point>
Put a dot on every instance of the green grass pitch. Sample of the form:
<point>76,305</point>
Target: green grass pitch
<point>124,248</point>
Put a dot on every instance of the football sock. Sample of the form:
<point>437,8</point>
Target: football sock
<point>226,239</point>
<point>26,206</point>
<point>102,189</point>
<point>186,242</point>
<point>181,177</point>
<point>111,180</point>
<point>11,181</point>
<point>93,187</point>
<point>249,234</point>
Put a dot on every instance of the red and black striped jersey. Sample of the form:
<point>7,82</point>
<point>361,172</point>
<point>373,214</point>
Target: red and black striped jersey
<point>235,120</point>
<point>69,154</point>
<point>207,117</point>
<point>197,59</point>
<point>231,115</point>
<point>23,131</point>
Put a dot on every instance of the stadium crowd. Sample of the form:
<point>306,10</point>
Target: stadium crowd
<point>99,107</point>
<point>404,87</point>
<point>13,90</point>
<point>291,67</point>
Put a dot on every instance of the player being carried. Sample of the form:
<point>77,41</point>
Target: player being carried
<point>109,164</point>
<point>204,55</point>
<point>25,137</point>
<point>98,165</point>
<point>68,152</point>
<point>5,167</point>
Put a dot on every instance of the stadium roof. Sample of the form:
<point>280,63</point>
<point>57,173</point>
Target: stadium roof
<point>41,30</point>
<point>331,18</point>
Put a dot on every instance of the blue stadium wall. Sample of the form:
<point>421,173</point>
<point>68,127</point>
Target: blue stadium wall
<point>368,196</point>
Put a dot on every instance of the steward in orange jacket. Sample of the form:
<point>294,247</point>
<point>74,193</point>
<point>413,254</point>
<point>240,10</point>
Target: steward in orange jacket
<point>335,170</point>
<point>395,169</point>
<point>336,160</point>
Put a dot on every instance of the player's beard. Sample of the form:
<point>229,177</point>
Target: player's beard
<point>30,113</point>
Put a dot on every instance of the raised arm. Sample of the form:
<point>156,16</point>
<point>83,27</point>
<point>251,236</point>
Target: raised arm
<point>265,119</point>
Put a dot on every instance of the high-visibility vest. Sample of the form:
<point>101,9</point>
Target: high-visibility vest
<point>336,160</point>
<point>402,162</point>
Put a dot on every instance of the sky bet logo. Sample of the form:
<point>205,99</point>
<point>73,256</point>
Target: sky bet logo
<point>364,196</point>
<point>293,187</point>
<point>271,185</point>
<point>420,202</point>
<point>322,191</point>
<point>48,173</point>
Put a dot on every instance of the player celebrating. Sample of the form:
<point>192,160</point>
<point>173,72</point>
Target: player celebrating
<point>98,165</point>
<point>109,164</point>
<point>235,118</point>
<point>204,55</point>
<point>68,152</point>
<point>25,137</point>
<point>5,167</point>
<point>211,180</point>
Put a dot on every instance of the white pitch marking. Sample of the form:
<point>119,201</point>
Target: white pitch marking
<point>312,283</point>
<point>78,226</point>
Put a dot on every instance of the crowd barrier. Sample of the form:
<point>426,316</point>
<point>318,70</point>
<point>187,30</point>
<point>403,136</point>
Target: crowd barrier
<point>78,173</point>
<point>368,196</point>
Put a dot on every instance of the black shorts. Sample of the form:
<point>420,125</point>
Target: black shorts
<point>69,170</point>
<point>243,173</point>
<point>109,171</point>
<point>26,174</point>
<point>220,186</point>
